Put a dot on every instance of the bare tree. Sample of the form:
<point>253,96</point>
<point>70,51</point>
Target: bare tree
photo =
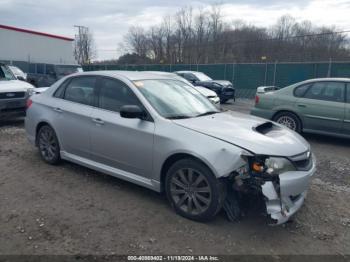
<point>202,36</point>
<point>84,48</point>
<point>137,40</point>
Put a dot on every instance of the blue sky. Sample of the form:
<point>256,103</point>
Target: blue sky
<point>109,19</point>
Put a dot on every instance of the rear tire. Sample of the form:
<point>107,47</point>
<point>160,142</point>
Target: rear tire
<point>193,190</point>
<point>48,145</point>
<point>289,120</point>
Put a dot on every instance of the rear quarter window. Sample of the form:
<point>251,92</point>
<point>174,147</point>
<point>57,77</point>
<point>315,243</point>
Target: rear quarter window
<point>328,91</point>
<point>60,90</point>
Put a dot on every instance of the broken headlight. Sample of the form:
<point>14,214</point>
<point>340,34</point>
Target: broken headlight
<point>278,165</point>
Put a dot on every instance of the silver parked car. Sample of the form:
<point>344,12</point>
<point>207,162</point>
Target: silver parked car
<point>157,132</point>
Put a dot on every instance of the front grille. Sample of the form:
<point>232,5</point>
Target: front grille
<point>228,91</point>
<point>20,109</point>
<point>11,95</point>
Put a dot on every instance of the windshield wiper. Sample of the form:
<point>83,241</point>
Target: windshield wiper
<point>178,117</point>
<point>207,113</point>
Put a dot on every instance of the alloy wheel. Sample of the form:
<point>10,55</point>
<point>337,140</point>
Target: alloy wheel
<point>190,191</point>
<point>47,144</point>
<point>288,122</point>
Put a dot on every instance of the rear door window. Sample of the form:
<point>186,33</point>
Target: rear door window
<point>328,91</point>
<point>81,90</point>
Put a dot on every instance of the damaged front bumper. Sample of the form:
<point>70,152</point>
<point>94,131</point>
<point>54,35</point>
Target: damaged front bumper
<point>283,199</point>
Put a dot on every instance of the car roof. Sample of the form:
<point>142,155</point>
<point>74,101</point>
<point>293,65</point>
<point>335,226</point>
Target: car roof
<point>131,75</point>
<point>184,71</point>
<point>342,79</point>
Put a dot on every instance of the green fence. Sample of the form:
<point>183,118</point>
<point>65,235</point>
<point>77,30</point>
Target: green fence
<point>247,77</point>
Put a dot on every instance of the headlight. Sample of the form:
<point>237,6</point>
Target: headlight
<point>278,165</point>
<point>217,85</point>
<point>30,91</point>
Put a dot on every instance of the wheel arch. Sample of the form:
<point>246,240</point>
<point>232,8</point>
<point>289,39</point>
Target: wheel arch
<point>173,159</point>
<point>37,128</point>
<point>288,111</point>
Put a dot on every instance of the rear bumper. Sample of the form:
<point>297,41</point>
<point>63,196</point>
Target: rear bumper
<point>264,113</point>
<point>285,201</point>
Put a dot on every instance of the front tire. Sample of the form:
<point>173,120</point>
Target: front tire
<point>193,190</point>
<point>289,120</point>
<point>48,145</point>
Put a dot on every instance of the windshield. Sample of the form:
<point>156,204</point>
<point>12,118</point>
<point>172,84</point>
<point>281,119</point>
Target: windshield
<point>16,70</point>
<point>202,77</point>
<point>5,74</point>
<point>175,99</point>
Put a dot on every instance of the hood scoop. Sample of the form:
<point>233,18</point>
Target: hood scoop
<point>266,128</point>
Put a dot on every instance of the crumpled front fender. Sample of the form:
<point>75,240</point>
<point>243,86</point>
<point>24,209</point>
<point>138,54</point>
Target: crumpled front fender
<point>285,198</point>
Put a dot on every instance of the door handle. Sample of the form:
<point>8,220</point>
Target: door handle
<point>98,121</point>
<point>301,105</point>
<point>58,110</point>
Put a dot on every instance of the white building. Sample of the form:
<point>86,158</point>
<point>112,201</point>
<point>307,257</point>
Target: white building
<point>17,44</point>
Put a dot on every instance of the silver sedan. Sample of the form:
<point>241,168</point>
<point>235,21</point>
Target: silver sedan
<point>161,133</point>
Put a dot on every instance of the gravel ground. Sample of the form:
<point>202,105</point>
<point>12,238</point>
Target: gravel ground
<point>68,209</point>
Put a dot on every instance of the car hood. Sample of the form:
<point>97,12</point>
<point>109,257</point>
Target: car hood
<point>14,86</point>
<point>222,82</point>
<point>205,91</point>
<point>248,132</point>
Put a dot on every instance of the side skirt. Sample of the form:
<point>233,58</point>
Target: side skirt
<point>127,176</point>
<point>319,132</point>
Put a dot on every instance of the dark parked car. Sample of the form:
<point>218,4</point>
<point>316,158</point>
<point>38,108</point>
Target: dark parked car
<point>51,73</point>
<point>223,88</point>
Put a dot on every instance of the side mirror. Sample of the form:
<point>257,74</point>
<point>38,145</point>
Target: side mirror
<point>132,111</point>
<point>193,80</point>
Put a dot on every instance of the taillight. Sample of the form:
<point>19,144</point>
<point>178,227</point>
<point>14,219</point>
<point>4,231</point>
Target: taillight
<point>29,103</point>
<point>257,98</point>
